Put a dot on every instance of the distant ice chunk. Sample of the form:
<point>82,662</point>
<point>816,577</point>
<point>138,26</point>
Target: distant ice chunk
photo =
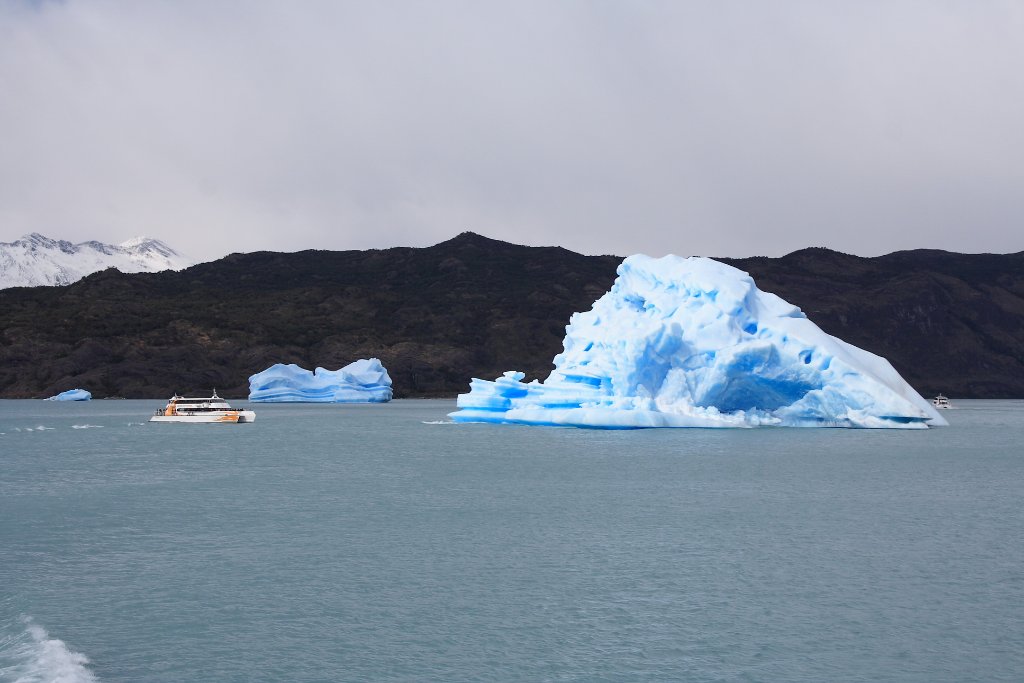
<point>691,342</point>
<point>71,395</point>
<point>364,381</point>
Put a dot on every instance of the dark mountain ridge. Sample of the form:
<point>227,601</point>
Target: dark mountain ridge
<point>473,306</point>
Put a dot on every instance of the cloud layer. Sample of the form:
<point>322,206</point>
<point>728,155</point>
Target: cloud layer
<point>727,128</point>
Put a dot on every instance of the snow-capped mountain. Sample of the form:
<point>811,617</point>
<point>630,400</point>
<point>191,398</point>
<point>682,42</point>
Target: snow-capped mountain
<point>36,260</point>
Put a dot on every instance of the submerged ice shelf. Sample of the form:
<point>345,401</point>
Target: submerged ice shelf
<point>364,381</point>
<point>691,342</point>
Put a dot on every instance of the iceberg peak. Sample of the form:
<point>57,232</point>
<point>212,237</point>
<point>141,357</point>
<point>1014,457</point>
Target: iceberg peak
<point>692,342</point>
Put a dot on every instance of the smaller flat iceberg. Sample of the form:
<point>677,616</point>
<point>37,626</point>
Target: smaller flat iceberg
<point>364,381</point>
<point>71,395</point>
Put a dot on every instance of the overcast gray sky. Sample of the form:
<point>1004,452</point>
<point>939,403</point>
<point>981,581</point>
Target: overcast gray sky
<point>716,128</point>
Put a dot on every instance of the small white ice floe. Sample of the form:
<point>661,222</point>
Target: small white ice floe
<point>71,395</point>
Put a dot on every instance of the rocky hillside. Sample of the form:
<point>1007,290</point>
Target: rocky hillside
<point>473,306</point>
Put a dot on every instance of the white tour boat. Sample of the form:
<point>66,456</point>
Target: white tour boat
<point>941,401</point>
<point>213,409</point>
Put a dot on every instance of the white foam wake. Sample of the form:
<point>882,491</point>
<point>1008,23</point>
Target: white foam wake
<point>32,656</point>
<point>87,426</point>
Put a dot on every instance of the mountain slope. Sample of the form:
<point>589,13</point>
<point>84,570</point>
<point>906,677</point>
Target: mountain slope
<point>473,306</point>
<point>36,260</point>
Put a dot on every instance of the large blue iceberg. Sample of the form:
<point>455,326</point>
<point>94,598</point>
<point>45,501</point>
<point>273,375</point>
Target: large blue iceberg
<point>691,342</point>
<point>364,381</point>
<point>71,395</point>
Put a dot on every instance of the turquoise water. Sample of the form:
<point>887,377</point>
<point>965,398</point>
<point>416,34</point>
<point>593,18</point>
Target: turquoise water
<point>380,543</point>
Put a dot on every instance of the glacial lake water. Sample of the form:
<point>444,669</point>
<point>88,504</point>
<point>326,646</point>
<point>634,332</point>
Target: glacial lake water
<point>381,543</point>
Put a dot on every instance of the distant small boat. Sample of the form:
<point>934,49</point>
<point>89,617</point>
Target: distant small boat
<point>209,410</point>
<point>941,401</point>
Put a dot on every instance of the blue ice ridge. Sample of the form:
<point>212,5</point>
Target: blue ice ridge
<point>363,381</point>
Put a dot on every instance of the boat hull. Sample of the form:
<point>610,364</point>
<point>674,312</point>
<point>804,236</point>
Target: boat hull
<point>228,417</point>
